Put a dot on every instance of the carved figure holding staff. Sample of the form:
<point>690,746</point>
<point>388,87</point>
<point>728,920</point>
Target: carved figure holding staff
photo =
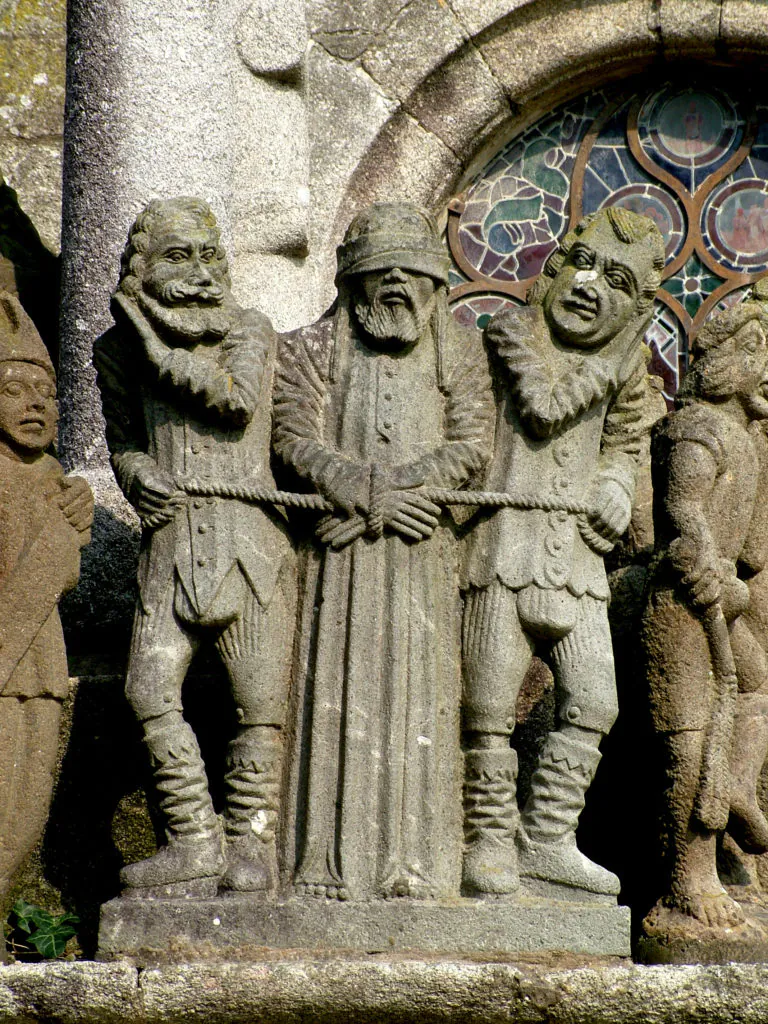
<point>380,400</point>
<point>707,670</point>
<point>186,380</point>
<point>570,380</point>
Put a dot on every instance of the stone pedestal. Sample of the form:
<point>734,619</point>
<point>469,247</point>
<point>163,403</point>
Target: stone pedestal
<point>147,930</point>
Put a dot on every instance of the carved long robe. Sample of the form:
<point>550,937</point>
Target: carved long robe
<point>376,774</point>
<point>39,561</point>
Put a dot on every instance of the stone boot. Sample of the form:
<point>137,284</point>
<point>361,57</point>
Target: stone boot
<point>194,850</point>
<point>250,819</point>
<point>490,822</point>
<point>749,747</point>
<point>548,835</point>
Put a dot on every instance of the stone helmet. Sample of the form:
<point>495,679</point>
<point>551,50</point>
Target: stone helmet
<point>389,235</point>
<point>19,338</point>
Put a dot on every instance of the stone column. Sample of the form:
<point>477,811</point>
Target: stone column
<point>201,98</point>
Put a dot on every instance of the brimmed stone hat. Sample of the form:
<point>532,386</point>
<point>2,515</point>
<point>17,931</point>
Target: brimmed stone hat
<point>19,338</point>
<point>389,235</point>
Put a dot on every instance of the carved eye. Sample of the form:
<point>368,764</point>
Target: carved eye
<point>12,388</point>
<point>618,280</point>
<point>208,255</point>
<point>175,256</point>
<point>581,258</point>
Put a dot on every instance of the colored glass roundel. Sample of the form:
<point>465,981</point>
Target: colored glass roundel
<point>693,158</point>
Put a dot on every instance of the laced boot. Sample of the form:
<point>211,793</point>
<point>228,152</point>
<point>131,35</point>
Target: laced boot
<point>194,848</point>
<point>490,822</point>
<point>749,747</point>
<point>250,818</point>
<point>548,848</point>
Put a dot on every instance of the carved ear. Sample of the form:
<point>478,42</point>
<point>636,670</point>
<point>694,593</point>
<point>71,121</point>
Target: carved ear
<point>10,311</point>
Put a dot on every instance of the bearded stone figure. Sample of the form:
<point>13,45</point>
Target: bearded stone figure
<point>186,380</point>
<point>571,377</point>
<point>380,399</point>
<point>704,629</point>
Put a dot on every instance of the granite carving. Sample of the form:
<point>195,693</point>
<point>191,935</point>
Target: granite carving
<point>571,376</point>
<point>45,521</point>
<point>186,379</point>
<point>704,625</point>
<point>378,400</point>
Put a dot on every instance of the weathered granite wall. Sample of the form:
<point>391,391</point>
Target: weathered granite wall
<point>32,64</point>
<point>307,117</point>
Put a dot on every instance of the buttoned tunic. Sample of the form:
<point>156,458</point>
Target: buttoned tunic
<point>543,452</point>
<point>205,415</point>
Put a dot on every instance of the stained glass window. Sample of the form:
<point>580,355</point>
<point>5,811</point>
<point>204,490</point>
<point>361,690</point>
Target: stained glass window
<point>694,159</point>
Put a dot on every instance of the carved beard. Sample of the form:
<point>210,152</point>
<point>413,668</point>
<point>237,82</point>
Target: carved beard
<point>399,325</point>
<point>186,313</point>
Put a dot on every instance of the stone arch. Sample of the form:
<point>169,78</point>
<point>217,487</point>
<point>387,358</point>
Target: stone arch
<point>459,98</point>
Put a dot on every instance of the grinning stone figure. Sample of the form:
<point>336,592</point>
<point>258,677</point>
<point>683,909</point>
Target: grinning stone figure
<point>571,377</point>
<point>45,519</point>
<point>703,629</point>
<point>375,401</point>
<point>186,378</point>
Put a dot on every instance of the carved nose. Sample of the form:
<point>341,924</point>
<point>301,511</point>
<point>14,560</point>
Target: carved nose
<point>200,274</point>
<point>586,288</point>
<point>395,274</point>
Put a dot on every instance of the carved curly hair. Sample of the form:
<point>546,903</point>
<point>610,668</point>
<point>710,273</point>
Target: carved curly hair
<point>146,224</point>
<point>628,227</point>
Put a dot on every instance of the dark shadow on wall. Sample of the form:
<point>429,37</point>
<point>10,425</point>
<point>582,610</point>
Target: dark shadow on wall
<point>97,615</point>
<point>29,270</point>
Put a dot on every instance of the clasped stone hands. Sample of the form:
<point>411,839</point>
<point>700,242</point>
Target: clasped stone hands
<point>373,499</point>
<point>155,496</point>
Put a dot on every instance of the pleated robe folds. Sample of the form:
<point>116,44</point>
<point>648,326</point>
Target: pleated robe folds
<point>375,784</point>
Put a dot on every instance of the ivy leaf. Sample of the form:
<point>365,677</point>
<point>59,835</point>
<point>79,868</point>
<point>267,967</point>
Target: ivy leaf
<point>50,942</point>
<point>28,916</point>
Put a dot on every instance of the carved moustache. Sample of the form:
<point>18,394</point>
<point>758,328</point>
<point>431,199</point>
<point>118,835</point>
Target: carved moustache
<point>392,315</point>
<point>187,321</point>
<point>176,292</point>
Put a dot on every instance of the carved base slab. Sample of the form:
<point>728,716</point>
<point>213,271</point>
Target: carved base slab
<point>677,940</point>
<point>152,930</point>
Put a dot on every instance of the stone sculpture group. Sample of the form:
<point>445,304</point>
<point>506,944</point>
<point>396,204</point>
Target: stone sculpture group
<point>376,522</point>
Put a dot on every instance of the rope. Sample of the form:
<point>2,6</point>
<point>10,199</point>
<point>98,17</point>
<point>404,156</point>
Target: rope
<point>439,495</point>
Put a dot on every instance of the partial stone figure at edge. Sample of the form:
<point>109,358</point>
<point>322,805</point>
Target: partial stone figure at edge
<point>571,376</point>
<point>45,521</point>
<point>704,625</point>
<point>381,399</point>
<point>186,380</point>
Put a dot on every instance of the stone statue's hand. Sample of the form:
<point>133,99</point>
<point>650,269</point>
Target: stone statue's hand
<point>405,476</point>
<point>701,569</point>
<point>409,513</point>
<point>338,531</point>
<point>348,489</point>
<point>613,510</point>
<point>734,596</point>
<point>76,502</point>
<point>154,348</point>
<point>155,495</point>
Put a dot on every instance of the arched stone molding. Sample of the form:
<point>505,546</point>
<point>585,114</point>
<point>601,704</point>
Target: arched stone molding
<point>446,84</point>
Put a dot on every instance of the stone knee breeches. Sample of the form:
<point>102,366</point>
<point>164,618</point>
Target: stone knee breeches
<point>582,664</point>
<point>255,648</point>
<point>498,650</point>
<point>496,655</point>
